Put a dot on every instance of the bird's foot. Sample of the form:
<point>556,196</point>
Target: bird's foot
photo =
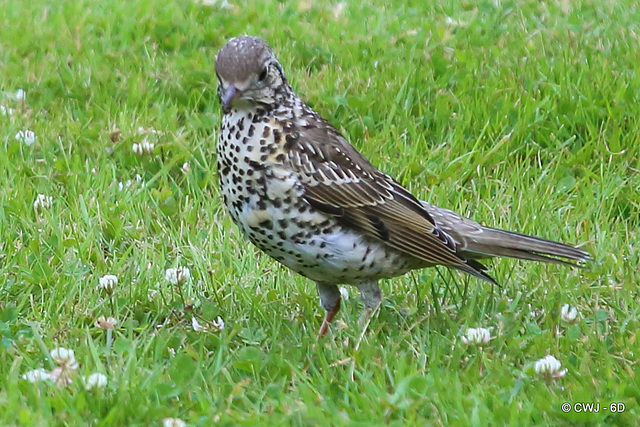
<point>328,318</point>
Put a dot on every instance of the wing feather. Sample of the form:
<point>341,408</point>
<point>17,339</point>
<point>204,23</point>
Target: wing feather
<point>339,181</point>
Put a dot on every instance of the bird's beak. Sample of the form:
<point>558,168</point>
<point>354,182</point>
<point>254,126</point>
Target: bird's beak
<point>229,93</point>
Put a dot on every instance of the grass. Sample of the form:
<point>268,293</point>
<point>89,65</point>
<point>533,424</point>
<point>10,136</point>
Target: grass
<point>522,114</point>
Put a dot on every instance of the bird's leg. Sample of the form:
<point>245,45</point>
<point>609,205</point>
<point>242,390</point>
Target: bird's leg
<point>330,302</point>
<point>371,297</point>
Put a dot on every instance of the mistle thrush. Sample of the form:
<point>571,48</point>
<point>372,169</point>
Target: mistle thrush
<point>302,194</point>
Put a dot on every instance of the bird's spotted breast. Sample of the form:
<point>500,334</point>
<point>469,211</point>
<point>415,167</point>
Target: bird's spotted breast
<point>265,198</point>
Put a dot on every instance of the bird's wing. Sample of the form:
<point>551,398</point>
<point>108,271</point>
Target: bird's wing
<point>341,182</point>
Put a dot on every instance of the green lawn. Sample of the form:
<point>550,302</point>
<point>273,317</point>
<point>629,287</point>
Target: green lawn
<point>524,115</point>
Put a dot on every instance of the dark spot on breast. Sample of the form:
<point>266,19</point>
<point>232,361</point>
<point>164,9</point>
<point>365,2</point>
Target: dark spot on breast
<point>266,224</point>
<point>366,253</point>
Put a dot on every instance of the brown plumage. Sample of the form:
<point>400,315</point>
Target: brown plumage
<point>301,193</point>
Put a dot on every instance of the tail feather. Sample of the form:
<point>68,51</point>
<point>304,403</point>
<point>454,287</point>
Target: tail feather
<point>475,242</point>
<point>492,242</point>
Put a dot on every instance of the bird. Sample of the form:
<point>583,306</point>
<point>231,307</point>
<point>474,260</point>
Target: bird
<point>301,193</point>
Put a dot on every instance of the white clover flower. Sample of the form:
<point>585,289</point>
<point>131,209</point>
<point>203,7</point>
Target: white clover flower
<point>61,355</point>
<point>27,137</point>
<point>569,314</point>
<point>218,323</point>
<point>173,422</point>
<point>177,276</point>
<point>6,111</point>
<point>186,168</point>
<point>105,323</point>
<point>197,326</point>
<point>95,380</point>
<point>36,375</point>
<point>20,95</point>
<point>549,367</point>
<point>66,360</point>
<point>477,336</point>
<point>143,147</point>
<point>64,357</point>
<point>107,283</point>
<point>42,202</point>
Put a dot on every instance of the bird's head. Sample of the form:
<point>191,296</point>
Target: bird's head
<point>248,74</point>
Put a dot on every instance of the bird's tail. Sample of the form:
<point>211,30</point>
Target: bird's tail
<point>475,241</point>
<point>492,242</point>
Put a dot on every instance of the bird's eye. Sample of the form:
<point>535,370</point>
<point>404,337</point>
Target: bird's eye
<point>263,75</point>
